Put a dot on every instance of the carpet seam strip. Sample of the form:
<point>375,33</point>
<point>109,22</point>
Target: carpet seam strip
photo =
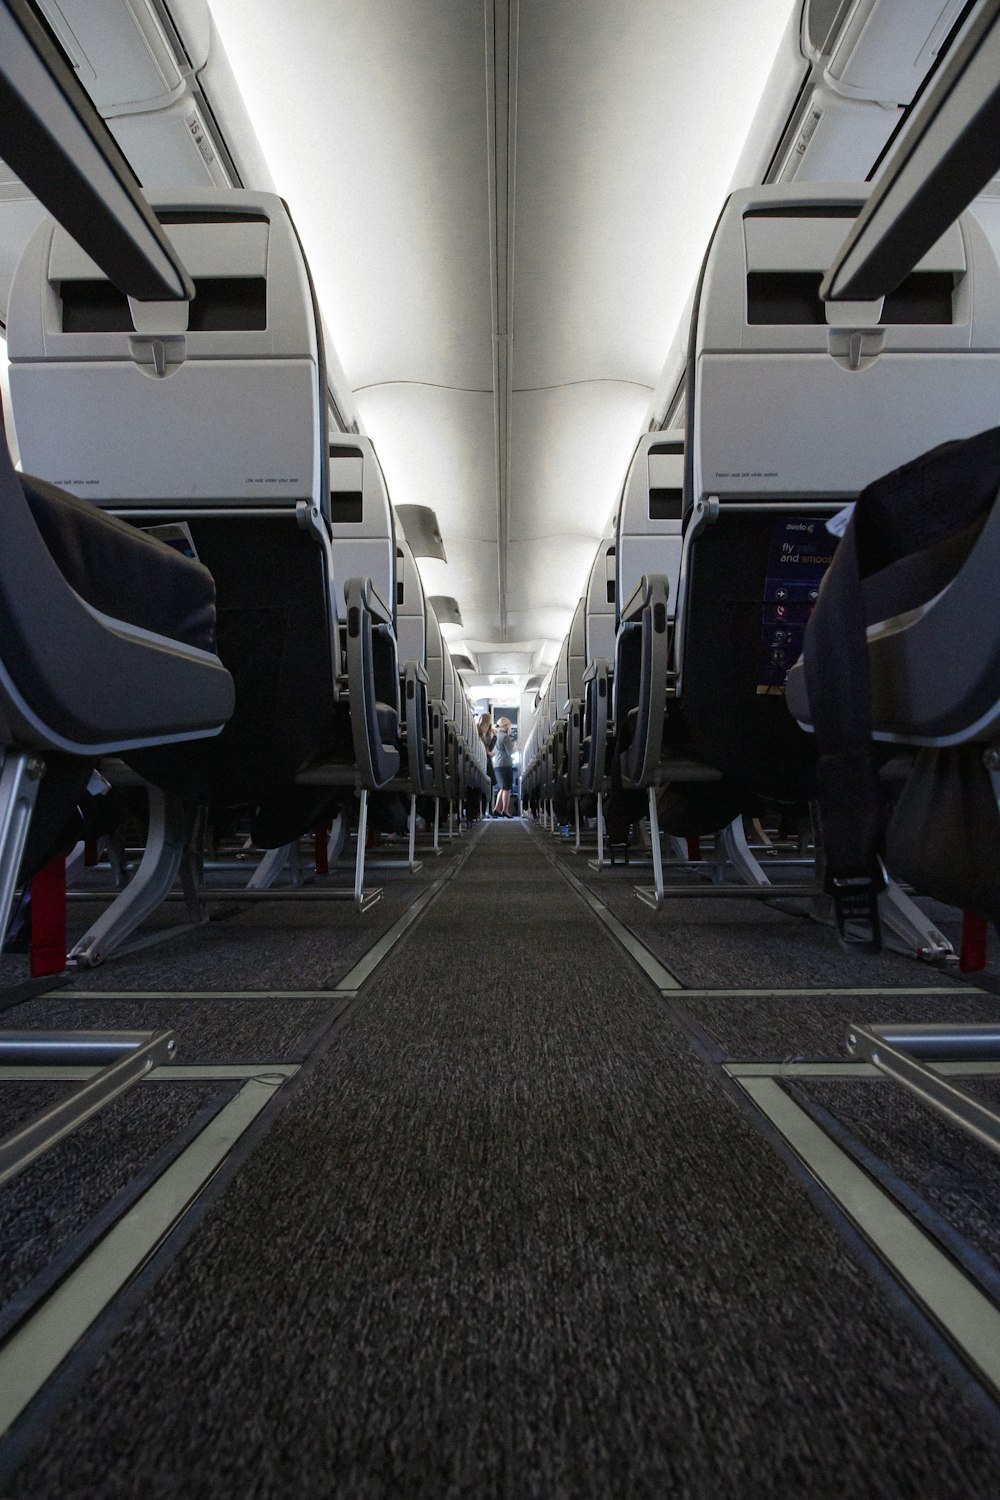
<point>972,1262</point>
<point>33,1351</point>
<point>82,1244</point>
<point>652,968</point>
<point>965,1315</point>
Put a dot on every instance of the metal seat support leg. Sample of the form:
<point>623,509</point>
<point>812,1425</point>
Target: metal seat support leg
<point>736,851</point>
<point>908,923</point>
<point>170,822</point>
<point>412,860</point>
<point>271,866</point>
<point>19,777</point>
<point>359,858</point>
<point>654,840</point>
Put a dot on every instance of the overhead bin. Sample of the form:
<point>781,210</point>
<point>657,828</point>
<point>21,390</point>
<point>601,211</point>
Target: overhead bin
<point>831,138</point>
<point>950,152</point>
<point>869,59</point>
<point>877,49</point>
<point>120,51</point>
<point>137,69</point>
<point>422,530</point>
<point>56,124</point>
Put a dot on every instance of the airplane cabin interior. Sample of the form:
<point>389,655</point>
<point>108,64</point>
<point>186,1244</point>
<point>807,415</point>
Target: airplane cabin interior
<point>499,749</point>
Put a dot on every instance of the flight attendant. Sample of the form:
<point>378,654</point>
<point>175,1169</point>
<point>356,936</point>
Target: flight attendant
<point>503,766</point>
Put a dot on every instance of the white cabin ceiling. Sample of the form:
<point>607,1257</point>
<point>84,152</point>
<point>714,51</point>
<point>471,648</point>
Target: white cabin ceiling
<point>373,116</point>
<point>630,118</point>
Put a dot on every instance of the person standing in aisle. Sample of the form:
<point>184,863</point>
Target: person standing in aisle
<point>503,765</point>
<point>486,732</point>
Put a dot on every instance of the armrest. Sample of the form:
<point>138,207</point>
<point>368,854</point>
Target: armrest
<point>642,673</point>
<point>418,735</point>
<point>597,697</point>
<point>574,743</point>
<point>372,684</point>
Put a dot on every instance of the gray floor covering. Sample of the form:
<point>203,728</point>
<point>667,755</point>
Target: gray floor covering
<point>19,1101</point>
<point>512,1239</point>
<point>956,1176</point>
<point>50,1205</point>
<point>949,919</point>
<point>207,1029</point>
<point>783,1028</point>
<point>728,942</point>
<point>280,944</point>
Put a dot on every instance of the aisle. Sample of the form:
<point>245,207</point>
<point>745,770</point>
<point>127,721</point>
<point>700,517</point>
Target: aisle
<point>513,1238</point>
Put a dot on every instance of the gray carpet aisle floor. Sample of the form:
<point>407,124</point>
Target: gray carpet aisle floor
<point>270,945</point>
<point>716,941</point>
<point>729,943</point>
<point>513,1239</point>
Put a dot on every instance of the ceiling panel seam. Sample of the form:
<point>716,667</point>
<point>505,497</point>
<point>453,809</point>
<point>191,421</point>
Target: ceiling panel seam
<point>433,385</point>
<point>562,385</point>
<point>501,20</point>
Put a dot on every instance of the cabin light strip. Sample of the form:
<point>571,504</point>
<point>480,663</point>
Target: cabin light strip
<point>966,1315</point>
<point>36,1349</point>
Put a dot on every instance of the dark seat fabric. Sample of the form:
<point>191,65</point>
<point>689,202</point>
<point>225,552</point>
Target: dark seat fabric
<point>911,581</point>
<point>689,810</point>
<point>271,599</point>
<point>721,717</point>
<point>119,570</point>
<point>122,571</point>
<point>910,534</point>
<point>388,723</point>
